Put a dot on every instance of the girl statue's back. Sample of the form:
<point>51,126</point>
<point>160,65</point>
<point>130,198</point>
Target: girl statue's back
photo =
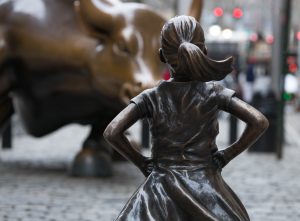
<point>184,179</point>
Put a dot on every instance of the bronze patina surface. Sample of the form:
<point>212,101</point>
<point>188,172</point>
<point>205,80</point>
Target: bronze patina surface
<point>184,181</point>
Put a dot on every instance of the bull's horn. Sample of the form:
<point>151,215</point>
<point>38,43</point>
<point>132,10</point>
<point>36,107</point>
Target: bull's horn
<point>196,9</point>
<point>99,13</point>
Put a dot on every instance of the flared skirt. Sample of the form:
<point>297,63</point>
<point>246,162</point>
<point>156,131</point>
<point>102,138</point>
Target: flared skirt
<point>184,195</point>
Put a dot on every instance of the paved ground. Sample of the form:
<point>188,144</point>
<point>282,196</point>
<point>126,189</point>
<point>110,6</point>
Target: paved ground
<point>34,184</point>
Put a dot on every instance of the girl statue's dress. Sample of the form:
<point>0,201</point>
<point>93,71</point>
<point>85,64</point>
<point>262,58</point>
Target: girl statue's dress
<point>184,184</point>
<point>184,181</point>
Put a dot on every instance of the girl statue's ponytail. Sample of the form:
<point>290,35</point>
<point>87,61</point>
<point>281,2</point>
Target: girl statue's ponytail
<point>184,50</point>
<point>193,62</point>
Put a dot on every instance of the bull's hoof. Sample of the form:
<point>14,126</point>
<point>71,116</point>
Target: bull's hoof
<point>91,162</point>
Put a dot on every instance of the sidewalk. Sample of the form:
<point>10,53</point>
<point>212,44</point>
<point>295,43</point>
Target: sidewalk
<point>34,184</point>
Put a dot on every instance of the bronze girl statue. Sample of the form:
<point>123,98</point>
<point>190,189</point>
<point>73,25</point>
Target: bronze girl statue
<point>184,181</point>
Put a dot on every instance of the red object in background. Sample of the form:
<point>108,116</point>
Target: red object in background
<point>253,37</point>
<point>237,13</point>
<point>292,64</point>
<point>166,75</point>
<point>298,35</point>
<point>293,68</point>
<point>270,39</point>
<point>218,11</point>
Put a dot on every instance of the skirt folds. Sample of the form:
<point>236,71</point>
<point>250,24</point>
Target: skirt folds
<point>170,194</point>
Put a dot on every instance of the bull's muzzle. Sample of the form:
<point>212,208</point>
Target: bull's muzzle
<point>129,90</point>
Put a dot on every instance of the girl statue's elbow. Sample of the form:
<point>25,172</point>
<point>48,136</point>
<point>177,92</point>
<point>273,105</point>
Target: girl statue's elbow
<point>108,134</point>
<point>111,134</point>
<point>263,123</point>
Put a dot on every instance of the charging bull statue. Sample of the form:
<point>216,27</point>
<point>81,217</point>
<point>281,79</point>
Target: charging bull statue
<point>66,61</point>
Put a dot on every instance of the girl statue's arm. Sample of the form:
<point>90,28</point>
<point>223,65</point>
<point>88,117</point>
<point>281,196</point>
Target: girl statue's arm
<point>256,125</point>
<point>114,134</point>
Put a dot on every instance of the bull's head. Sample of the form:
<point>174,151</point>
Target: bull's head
<point>125,60</point>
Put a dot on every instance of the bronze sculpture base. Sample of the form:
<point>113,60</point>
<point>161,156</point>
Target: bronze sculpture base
<point>91,162</point>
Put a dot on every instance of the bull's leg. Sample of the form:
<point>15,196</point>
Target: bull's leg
<point>6,106</point>
<point>95,157</point>
<point>6,111</point>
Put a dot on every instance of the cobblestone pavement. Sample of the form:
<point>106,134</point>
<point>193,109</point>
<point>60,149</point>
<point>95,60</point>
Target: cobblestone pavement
<point>34,184</point>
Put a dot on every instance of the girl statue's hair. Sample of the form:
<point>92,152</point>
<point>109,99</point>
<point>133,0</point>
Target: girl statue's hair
<point>183,48</point>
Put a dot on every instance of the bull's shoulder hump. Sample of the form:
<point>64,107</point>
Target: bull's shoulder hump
<point>44,16</point>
